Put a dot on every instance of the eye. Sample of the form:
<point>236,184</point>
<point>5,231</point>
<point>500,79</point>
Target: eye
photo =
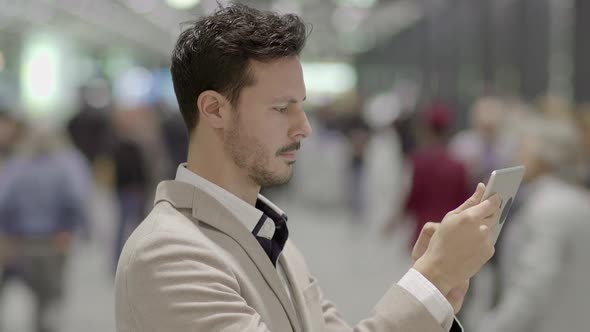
<point>280,109</point>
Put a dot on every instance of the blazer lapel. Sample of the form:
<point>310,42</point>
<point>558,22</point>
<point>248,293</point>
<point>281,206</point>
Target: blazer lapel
<point>310,314</point>
<point>210,211</point>
<point>290,267</point>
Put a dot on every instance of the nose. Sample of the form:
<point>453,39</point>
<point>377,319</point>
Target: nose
<point>301,128</point>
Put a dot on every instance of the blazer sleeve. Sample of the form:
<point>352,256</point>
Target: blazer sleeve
<point>397,311</point>
<point>172,285</point>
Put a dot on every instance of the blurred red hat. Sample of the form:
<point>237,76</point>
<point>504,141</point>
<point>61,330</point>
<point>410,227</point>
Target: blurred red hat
<point>439,116</point>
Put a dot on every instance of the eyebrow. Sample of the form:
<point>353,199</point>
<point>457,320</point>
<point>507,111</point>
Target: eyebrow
<point>290,100</point>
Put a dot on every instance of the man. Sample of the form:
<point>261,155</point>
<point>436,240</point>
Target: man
<point>43,200</point>
<point>543,257</point>
<point>485,146</point>
<point>385,174</point>
<point>10,130</point>
<point>214,255</point>
<point>439,181</point>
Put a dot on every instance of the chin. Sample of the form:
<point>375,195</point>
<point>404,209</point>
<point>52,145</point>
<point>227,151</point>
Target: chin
<point>285,177</point>
<point>275,178</point>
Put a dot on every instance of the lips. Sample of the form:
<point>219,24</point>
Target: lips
<point>289,155</point>
<point>289,152</point>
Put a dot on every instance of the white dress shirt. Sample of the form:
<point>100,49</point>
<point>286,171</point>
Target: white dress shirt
<point>250,214</point>
<point>413,281</point>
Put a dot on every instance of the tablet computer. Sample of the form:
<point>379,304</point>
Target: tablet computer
<point>504,182</point>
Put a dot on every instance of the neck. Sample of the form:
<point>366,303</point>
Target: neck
<point>207,158</point>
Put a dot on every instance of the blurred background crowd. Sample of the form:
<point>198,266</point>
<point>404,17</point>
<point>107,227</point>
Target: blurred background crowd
<point>413,102</point>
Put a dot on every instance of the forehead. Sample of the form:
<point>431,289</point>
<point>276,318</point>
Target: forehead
<point>279,77</point>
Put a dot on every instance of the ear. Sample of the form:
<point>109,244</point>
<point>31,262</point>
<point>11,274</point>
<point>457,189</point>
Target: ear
<point>213,109</point>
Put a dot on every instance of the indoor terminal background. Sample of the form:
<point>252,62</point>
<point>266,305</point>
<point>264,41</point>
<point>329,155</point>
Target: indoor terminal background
<point>90,80</point>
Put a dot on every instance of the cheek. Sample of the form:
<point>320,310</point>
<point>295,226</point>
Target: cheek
<point>264,122</point>
<point>274,133</point>
<point>268,131</point>
<point>259,144</point>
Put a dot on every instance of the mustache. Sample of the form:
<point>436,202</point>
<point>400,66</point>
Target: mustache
<point>291,147</point>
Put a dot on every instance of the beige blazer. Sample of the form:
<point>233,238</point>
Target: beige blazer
<point>192,266</point>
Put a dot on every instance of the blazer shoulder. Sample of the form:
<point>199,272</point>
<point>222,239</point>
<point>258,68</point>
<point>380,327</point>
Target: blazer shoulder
<point>166,262</point>
<point>169,234</point>
<point>163,218</point>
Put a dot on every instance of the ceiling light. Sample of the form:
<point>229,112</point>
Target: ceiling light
<point>182,4</point>
<point>357,3</point>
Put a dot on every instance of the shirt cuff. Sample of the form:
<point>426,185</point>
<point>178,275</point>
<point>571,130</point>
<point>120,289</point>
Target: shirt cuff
<point>438,306</point>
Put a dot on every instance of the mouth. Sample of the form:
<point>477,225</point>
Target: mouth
<point>289,156</point>
<point>290,152</point>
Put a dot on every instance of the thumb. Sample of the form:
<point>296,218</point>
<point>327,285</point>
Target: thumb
<point>424,240</point>
<point>473,200</point>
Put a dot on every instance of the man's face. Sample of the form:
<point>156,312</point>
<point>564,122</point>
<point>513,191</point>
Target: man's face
<point>269,122</point>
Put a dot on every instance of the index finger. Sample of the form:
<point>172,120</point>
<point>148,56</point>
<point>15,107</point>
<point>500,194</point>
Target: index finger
<point>486,208</point>
<point>473,200</point>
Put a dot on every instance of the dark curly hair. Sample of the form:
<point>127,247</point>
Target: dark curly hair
<point>213,53</point>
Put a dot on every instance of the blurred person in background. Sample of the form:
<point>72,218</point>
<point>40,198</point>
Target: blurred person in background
<point>406,126</point>
<point>483,147</point>
<point>174,136</point>
<point>358,135</point>
<point>214,255</point>
<point>90,128</point>
<point>439,180</point>
<point>385,183</point>
<point>43,193</point>
<point>543,256</point>
<point>496,132</point>
<point>555,108</point>
<point>584,125</point>
<point>131,179</point>
<point>10,131</point>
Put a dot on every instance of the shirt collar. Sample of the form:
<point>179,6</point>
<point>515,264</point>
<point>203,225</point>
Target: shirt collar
<point>249,215</point>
